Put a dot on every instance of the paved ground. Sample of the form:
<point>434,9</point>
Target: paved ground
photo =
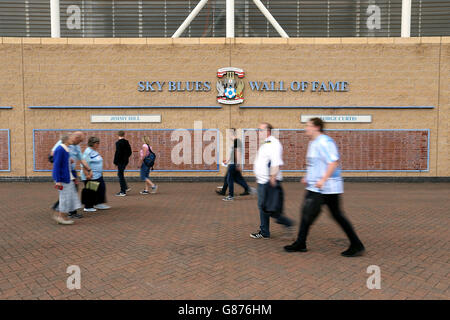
<point>185,243</point>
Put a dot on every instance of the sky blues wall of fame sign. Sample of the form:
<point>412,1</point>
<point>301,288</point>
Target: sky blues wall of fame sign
<point>230,86</point>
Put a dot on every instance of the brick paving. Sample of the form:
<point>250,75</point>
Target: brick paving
<point>185,243</point>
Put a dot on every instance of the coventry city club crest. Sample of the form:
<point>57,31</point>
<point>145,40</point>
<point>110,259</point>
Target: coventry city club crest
<point>230,86</point>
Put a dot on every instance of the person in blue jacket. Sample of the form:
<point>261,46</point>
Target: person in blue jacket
<point>64,182</point>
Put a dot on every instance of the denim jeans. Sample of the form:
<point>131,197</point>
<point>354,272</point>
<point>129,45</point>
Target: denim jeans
<point>265,217</point>
<point>235,175</point>
<point>225,182</point>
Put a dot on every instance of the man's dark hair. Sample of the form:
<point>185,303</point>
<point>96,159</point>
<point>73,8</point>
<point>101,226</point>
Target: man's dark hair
<point>317,122</point>
<point>121,133</point>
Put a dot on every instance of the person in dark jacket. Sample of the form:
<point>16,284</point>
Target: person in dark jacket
<point>123,153</point>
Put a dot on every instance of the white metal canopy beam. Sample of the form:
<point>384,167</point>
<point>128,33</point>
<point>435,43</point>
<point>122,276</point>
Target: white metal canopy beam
<point>271,19</point>
<point>406,19</point>
<point>189,19</point>
<point>230,19</point>
<point>54,19</point>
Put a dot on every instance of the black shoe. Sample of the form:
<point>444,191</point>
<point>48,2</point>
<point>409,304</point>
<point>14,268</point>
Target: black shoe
<point>75,216</point>
<point>354,251</point>
<point>220,193</point>
<point>258,235</point>
<point>245,193</point>
<point>296,247</point>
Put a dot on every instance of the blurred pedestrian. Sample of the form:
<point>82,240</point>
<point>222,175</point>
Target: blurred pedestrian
<point>95,161</point>
<point>234,170</point>
<point>75,139</point>
<point>64,182</point>
<point>147,159</point>
<point>121,156</point>
<point>324,185</point>
<point>268,175</point>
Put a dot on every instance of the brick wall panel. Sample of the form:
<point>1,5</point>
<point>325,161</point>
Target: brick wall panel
<point>4,150</point>
<point>160,141</point>
<point>359,150</point>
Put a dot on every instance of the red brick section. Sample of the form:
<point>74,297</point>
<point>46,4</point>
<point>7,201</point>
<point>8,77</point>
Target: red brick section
<point>4,150</point>
<point>359,150</point>
<point>160,141</point>
<point>186,243</point>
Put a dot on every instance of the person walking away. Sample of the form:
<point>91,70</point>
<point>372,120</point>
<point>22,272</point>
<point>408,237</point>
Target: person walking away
<point>267,171</point>
<point>75,155</point>
<point>324,185</point>
<point>222,190</point>
<point>147,158</point>
<point>121,157</point>
<point>234,168</point>
<point>95,162</point>
<point>64,182</point>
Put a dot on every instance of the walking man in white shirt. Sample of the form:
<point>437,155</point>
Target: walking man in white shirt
<point>267,171</point>
<point>323,186</point>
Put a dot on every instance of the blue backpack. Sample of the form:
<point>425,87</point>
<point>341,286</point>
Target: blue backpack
<point>149,160</point>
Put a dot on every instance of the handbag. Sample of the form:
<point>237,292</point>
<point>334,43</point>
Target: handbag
<point>92,185</point>
<point>274,198</point>
<point>273,201</point>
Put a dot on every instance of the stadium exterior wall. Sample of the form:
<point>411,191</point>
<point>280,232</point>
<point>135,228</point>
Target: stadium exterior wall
<point>384,75</point>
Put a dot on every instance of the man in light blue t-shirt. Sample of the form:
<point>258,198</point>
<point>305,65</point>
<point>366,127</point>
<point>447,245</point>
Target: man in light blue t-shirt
<point>324,185</point>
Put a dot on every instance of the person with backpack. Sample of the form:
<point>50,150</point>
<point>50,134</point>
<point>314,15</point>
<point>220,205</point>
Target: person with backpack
<point>121,156</point>
<point>147,157</point>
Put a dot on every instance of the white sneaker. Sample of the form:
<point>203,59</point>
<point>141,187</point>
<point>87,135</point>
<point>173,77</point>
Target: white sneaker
<point>154,188</point>
<point>253,191</point>
<point>102,206</point>
<point>128,190</point>
<point>89,210</point>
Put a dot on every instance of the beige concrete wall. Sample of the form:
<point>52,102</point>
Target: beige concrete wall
<point>443,145</point>
<point>11,95</point>
<point>97,72</point>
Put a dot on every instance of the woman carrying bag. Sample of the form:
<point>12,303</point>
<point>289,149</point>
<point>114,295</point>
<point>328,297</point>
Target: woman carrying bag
<point>94,193</point>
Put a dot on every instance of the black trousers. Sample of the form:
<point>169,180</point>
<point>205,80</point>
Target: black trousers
<point>120,173</point>
<point>95,198</point>
<point>233,176</point>
<point>311,209</point>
